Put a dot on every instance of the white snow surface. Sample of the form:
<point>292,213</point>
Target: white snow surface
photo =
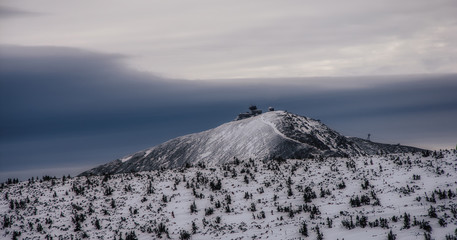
<point>126,158</point>
<point>248,138</point>
<point>267,121</point>
<point>403,184</point>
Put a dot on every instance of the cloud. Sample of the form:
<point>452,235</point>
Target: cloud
<point>71,106</point>
<point>239,39</point>
<point>8,12</point>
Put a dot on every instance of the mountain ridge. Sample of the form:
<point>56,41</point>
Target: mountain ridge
<point>274,134</point>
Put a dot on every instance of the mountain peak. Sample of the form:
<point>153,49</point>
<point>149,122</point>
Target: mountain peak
<point>261,136</point>
<point>253,111</point>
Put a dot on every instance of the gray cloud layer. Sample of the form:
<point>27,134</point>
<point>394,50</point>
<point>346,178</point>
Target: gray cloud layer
<point>204,39</point>
<point>68,107</point>
<point>7,12</point>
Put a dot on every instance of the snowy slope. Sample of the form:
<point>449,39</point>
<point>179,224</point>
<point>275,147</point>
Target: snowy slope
<point>263,137</point>
<point>256,200</point>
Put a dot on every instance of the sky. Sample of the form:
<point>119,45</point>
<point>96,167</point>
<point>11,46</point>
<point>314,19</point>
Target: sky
<point>86,82</point>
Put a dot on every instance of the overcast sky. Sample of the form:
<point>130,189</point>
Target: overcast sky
<point>207,39</point>
<point>86,82</point>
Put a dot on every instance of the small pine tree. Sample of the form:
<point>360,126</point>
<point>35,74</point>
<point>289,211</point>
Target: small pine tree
<point>289,191</point>
<point>304,229</point>
<point>329,222</point>
<point>227,209</point>
<point>246,195</point>
<point>77,227</point>
<point>7,222</point>
<point>391,235</point>
<point>228,198</point>
<point>193,208</point>
<point>406,221</point>
<point>39,228</point>
<point>194,228</point>
<point>150,189</point>
<point>320,235</point>
<point>16,235</point>
<point>427,236</point>
<point>97,224</point>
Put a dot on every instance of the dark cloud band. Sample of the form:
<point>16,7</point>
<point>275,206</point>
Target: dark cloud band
<point>65,106</point>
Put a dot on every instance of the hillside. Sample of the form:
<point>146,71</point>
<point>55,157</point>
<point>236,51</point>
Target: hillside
<point>262,137</point>
<point>364,197</point>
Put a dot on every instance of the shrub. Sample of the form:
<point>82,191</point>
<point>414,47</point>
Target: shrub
<point>184,235</point>
<point>348,224</point>
<point>209,211</point>
<point>361,221</point>
<point>442,222</point>
<point>432,212</point>
<point>309,195</point>
<point>108,191</point>
<point>161,229</point>
<point>253,208</point>
<point>16,235</point>
<point>425,225</point>
<point>131,236</point>
<point>216,185</point>
<point>341,185</point>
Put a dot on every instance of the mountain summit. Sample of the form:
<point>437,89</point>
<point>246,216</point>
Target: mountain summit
<point>274,134</point>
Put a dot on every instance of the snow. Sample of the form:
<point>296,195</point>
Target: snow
<point>266,179</point>
<point>272,125</point>
<point>126,158</point>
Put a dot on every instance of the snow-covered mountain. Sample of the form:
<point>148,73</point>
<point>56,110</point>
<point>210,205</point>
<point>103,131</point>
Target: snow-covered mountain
<point>275,134</point>
<point>313,183</point>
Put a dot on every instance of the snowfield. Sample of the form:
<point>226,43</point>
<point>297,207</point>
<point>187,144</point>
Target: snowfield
<point>401,196</point>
